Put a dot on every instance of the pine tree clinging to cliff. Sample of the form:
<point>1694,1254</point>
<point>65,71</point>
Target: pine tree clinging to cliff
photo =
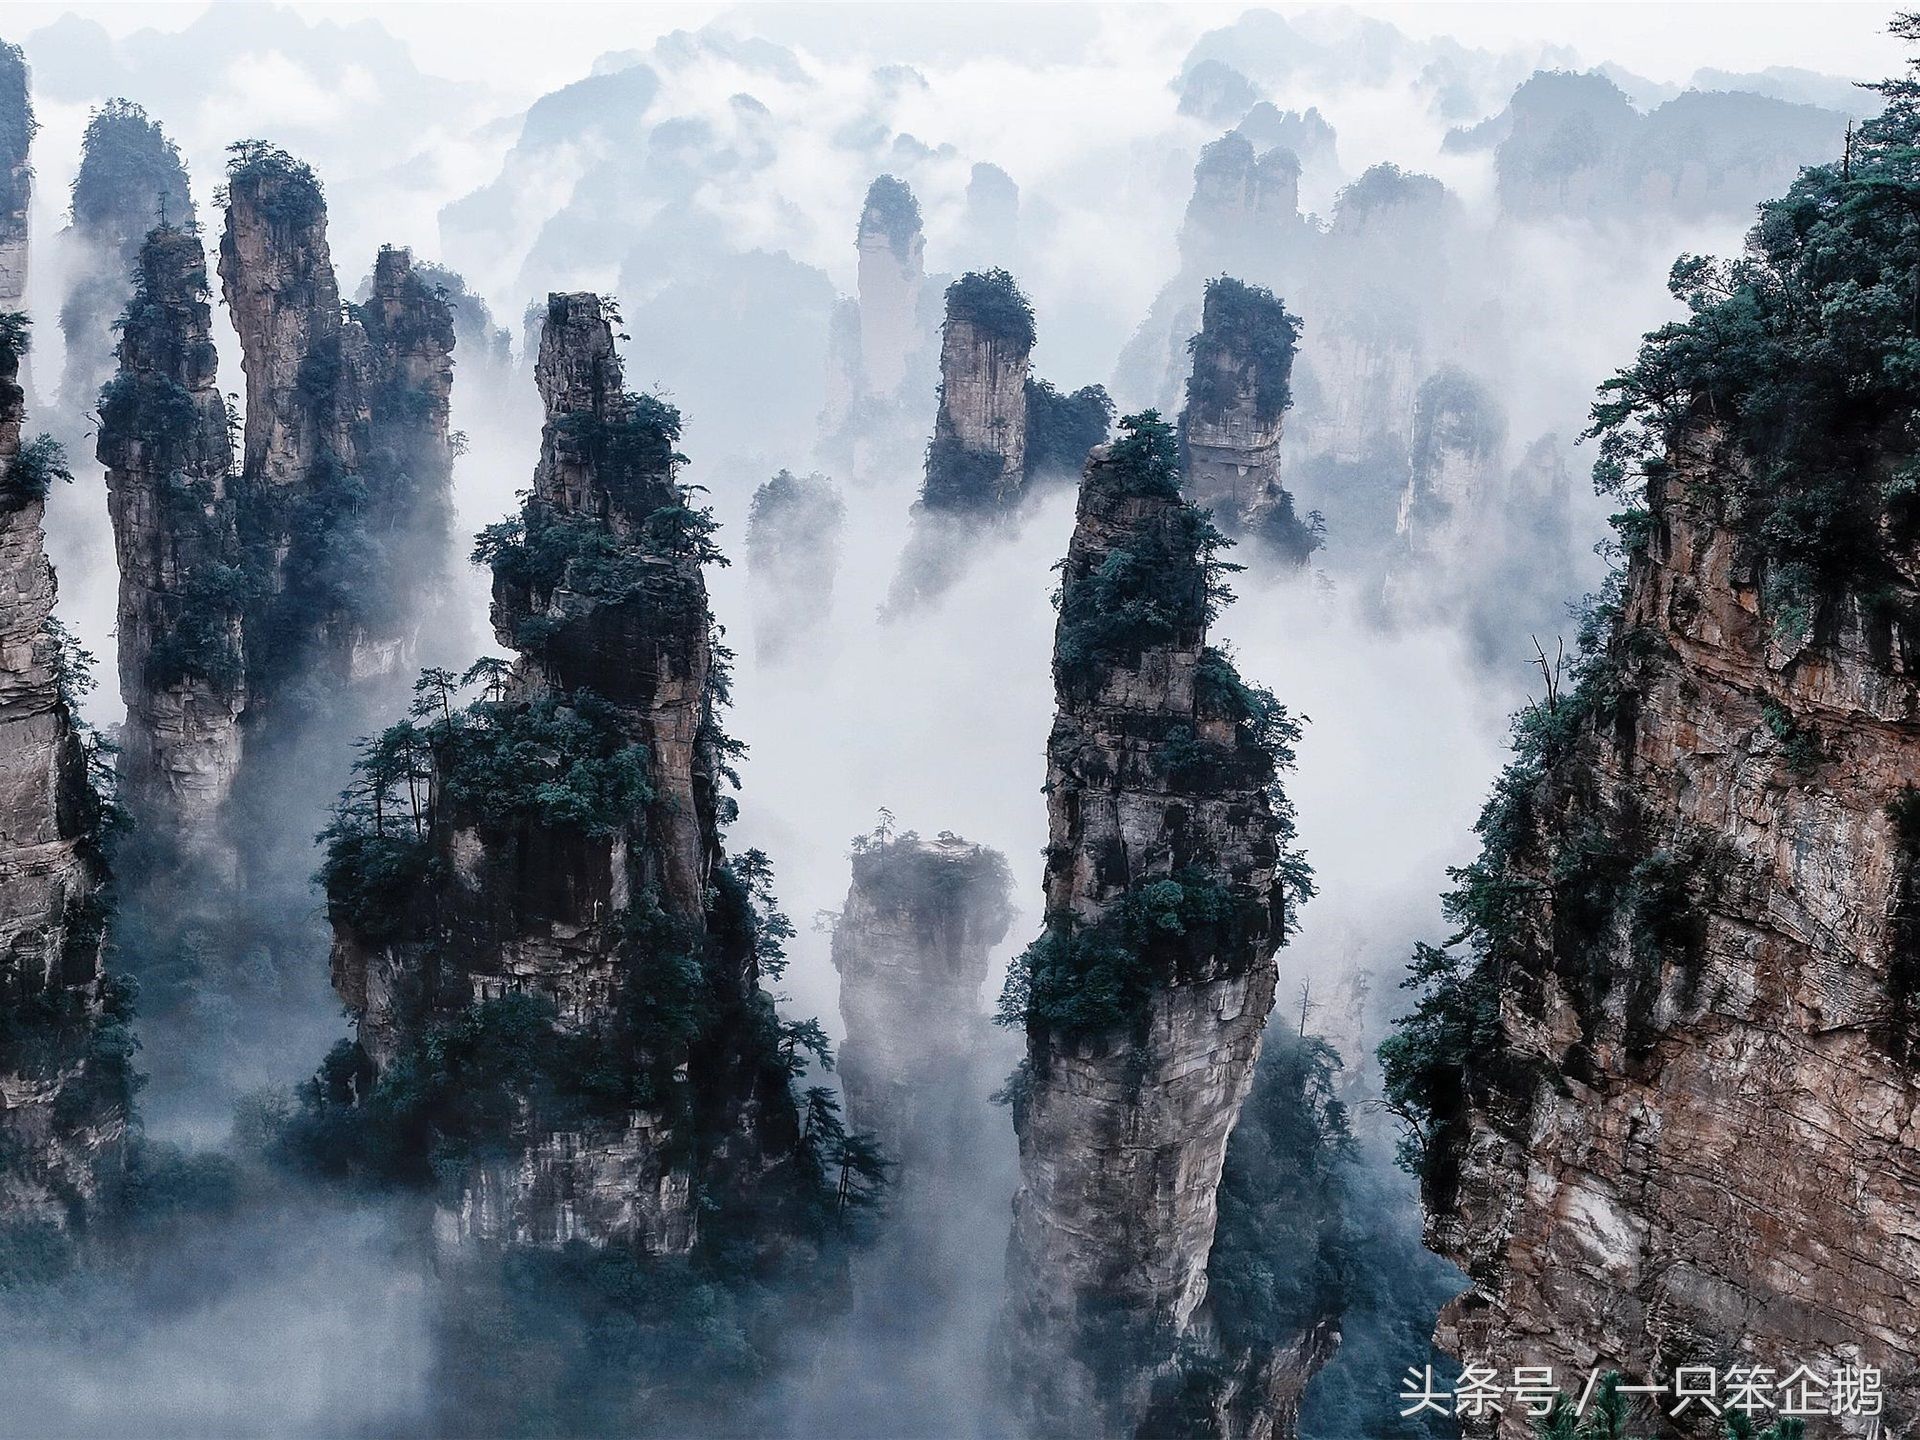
<point>1689,930</point>
<point>1172,879</point>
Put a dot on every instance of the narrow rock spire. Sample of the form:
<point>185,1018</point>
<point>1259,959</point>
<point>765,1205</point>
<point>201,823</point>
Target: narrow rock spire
<point>892,250</point>
<point>184,586</point>
<point>1169,881</point>
<point>548,858</point>
<point>131,179</point>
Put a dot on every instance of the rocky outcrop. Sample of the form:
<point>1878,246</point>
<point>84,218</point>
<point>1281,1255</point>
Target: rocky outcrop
<point>405,455</point>
<point>978,458</point>
<point>346,462</point>
<point>843,365</point>
<point>17,127</point>
<point>1244,204</point>
<point>997,432</point>
<point>912,948</point>
<point>131,179</point>
<point>793,551</point>
<point>1382,297</point>
<point>1169,879</point>
<point>304,406</point>
<point>1305,134</point>
<point>892,250</point>
<point>1237,400</point>
<point>593,888</point>
<point>276,273</point>
<point>1385,276</point>
<point>1454,488</point>
<point>65,1055</point>
<point>1242,219</point>
<point>183,578</point>
<point>486,347</point>
<point>1214,91</point>
<point>1574,146</point>
<point>1687,1135</point>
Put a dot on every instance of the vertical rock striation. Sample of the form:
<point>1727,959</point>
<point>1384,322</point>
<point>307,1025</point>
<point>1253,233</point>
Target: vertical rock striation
<point>131,179</point>
<point>17,127</point>
<point>997,432</point>
<point>892,250</point>
<point>184,585</point>
<point>912,948</point>
<point>1169,879</point>
<point>1664,1094</point>
<point>1695,1079</point>
<point>65,1056</point>
<point>1237,400</point>
<point>346,464</point>
<point>406,453</point>
<point>304,411</point>
<point>978,458</point>
<point>562,869</point>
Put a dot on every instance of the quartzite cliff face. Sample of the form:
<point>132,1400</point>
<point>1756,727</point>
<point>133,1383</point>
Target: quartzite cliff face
<point>1237,400</point>
<point>997,433</point>
<point>605,887</point>
<point>345,448</point>
<point>978,458</point>
<point>1694,1140</point>
<point>164,442</point>
<point>406,453</point>
<point>912,948</point>
<point>65,1058</point>
<point>1145,1001</point>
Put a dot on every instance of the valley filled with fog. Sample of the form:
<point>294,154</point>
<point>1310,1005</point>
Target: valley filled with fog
<point>1473,235</point>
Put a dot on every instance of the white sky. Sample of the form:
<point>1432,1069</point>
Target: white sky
<point>526,49</point>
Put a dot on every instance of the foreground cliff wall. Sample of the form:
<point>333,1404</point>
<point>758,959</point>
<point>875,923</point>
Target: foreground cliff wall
<point>1721,973</point>
<point>65,1054</point>
<point>1169,878</point>
<point>1661,1087</point>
